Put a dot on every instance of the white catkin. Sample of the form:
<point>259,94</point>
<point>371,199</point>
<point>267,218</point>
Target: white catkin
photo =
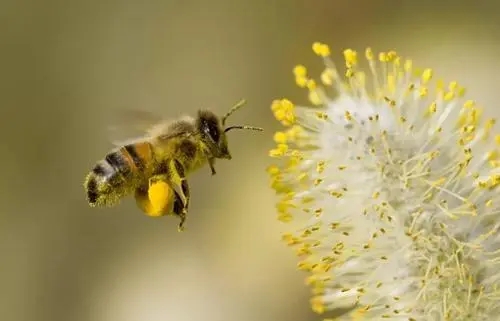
<point>389,184</point>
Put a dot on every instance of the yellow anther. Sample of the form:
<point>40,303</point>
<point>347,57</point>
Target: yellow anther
<point>476,114</point>
<point>469,104</point>
<point>351,58</point>
<point>301,81</point>
<point>390,102</point>
<point>369,54</point>
<point>279,186</point>
<point>320,167</point>
<point>432,108</point>
<point>440,86</point>
<point>494,164</point>
<point>438,182</point>
<point>494,181</point>
<point>336,194</point>
<point>313,280</point>
<point>303,250</point>
<point>492,155</point>
<point>488,126</point>
<point>334,225</point>
<point>391,56</point>
<point>423,91</point>
<point>294,132</point>
<point>327,76</point>
<point>426,75</point>
<point>311,84</point>
<point>273,170</point>
<point>285,203</point>
<point>408,65</point>
<point>315,98</point>
<point>318,305</point>
<point>360,313</point>
<point>449,96</point>
<point>304,266</point>
<point>284,111</point>
<point>279,104</point>
<point>307,199</point>
<point>382,57</point>
<point>302,177</point>
<point>322,268</point>
<point>321,49</point>
<point>300,71</point>
<point>317,181</point>
<point>468,129</point>
<point>292,241</point>
<point>453,86</point>
<point>280,150</point>
<point>280,137</point>
<point>434,154</point>
<point>285,217</point>
<point>296,154</point>
<point>397,61</point>
<point>322,115</point>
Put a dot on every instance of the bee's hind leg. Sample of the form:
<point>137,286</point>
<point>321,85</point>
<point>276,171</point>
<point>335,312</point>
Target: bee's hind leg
<point>173,173</point>
<point>181,211</point>
<point>180,185</point>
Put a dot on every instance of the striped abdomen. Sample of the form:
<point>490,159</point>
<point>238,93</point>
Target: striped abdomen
<point>117,174</point>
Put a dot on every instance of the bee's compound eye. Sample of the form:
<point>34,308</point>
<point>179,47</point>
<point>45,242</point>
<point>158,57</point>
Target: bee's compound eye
<point>213,132</point>
<point>210,126</point>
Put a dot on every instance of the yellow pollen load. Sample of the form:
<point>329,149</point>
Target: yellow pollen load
<point>159,194</point>
<point>158,200</point>
<point>313,186</point>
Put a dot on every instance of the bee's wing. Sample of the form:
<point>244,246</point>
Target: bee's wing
<point>131,125</point>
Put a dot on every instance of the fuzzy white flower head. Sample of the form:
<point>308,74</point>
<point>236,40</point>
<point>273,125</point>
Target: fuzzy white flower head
<point>390,183</point>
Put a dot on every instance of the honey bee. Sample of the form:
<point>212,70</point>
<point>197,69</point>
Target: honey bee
<point>166,152</point>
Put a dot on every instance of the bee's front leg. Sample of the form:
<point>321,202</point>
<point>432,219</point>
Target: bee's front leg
<point>211,162</point>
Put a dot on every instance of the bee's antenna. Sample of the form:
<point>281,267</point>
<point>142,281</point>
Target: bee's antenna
<point>243,127</point>
<point>233,109</point>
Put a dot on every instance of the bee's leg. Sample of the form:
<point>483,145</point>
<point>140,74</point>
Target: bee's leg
<point>181,186</point>
<point>169,173</point>
<point>211,162</point>
<point>181,211</point>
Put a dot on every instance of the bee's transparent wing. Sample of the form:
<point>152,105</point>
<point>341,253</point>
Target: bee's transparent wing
<point>132,125</point>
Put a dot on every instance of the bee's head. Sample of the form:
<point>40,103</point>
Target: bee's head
<point>213,130</point>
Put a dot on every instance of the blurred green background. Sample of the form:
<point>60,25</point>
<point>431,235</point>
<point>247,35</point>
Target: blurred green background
<point>67,65</point>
